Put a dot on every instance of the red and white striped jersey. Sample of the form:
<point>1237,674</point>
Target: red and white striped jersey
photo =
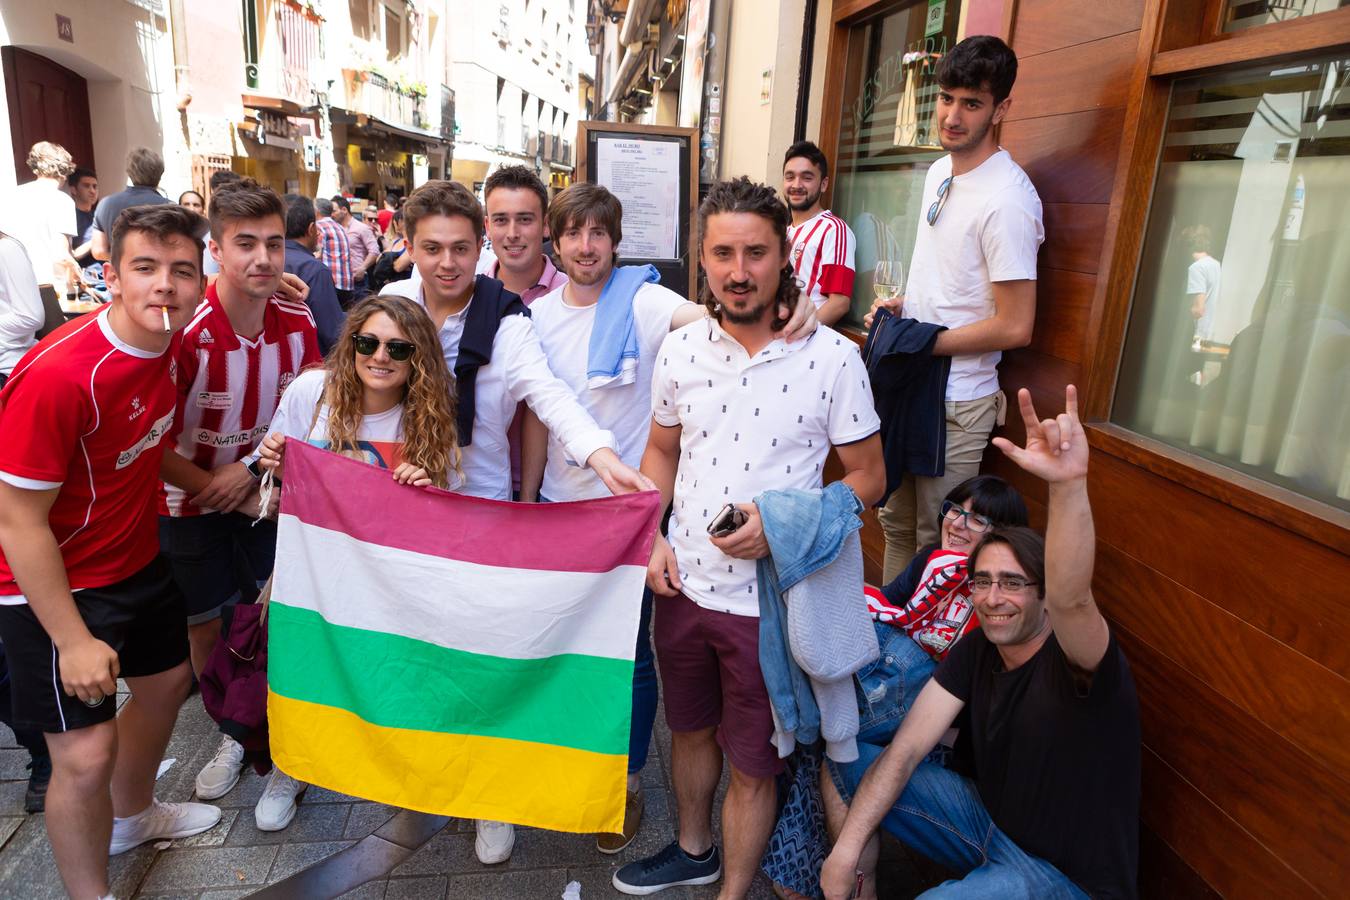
<point>228,386</point>
<point>822,256</point>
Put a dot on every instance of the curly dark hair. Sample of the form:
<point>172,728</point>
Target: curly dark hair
<point>741,195</point>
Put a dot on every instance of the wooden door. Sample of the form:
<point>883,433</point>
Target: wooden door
<point>47,102</point>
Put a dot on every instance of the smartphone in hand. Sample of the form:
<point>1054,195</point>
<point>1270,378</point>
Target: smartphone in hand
<point>728,519</point>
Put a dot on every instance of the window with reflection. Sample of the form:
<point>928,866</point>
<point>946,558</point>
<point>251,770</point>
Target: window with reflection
<point>1238,345</point>
<point>886,137</point>
<point>1239,15</point>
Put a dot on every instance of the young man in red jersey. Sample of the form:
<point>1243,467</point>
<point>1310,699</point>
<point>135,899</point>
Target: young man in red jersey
<point>84,596</point>
<point>822,244</point>
<point>242,348</point>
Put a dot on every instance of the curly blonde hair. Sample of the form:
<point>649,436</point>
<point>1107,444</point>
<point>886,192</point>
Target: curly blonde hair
<point>430,439</point>
<point>48,160</point>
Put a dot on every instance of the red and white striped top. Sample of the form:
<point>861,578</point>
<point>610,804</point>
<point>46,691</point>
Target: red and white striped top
<point>229,386</point>
<point>822,256</point>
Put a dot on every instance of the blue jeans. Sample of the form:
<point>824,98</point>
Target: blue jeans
<point>644,690</point>
<point>940,814</point>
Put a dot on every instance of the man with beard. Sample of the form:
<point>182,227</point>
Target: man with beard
<point>737,410</point>
<point>822,244</point>
<point>973,270</point>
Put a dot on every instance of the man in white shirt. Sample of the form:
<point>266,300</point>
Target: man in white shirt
<point>822,244</point>
<point>973,270</point>
<point>736,411</point>
<point>1203,278</point>
<point>40,215</point>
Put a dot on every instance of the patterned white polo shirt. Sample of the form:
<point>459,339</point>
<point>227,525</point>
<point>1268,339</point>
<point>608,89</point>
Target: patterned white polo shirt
<point>748,425</point>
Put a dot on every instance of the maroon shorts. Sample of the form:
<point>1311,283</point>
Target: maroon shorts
<point>710,677</point>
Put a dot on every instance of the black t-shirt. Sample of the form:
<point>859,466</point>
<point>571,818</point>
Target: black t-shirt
<point>1057,766</point>
<point>84,233</point>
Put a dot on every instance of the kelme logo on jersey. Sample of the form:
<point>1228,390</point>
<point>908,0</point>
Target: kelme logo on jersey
<point>151,439</point>
<point>136,409</point>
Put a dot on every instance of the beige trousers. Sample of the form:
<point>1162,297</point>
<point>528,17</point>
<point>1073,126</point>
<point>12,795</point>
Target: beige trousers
<point>909,520</point>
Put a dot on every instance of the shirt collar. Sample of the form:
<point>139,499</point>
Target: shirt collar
<point>773,350</point>
<point>549,280</point>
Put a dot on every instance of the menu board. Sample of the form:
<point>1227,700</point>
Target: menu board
<point>645,175</point>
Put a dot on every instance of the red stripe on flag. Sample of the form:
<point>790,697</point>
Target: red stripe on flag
<point>326,490</point>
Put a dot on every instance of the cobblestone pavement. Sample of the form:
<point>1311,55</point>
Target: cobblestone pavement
<point>235,859</point>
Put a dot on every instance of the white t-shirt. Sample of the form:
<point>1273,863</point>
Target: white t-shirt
<point>988,230</point>
<point>34,214</point>
<point>624,409</point>
<point>750,425</point>
<point>1203,277</point>
<point>21,313</point>
<point>517,371</point>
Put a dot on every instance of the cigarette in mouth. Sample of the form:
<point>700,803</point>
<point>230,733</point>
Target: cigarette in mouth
<point>164,311</point>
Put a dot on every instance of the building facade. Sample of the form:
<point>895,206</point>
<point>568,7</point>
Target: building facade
<point>309,96</point>
<point>520,69</point>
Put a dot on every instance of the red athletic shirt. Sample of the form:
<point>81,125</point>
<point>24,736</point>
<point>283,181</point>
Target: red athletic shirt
<point>86,412</point>
<point>228,386</point>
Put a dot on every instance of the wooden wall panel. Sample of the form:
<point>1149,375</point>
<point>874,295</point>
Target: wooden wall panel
<point>1288,693</point>
<point>1073,236</point>
<point>1070,158</point>
<point>1046,25</point>
<point>1063,302</point>
<point>1098,71</point>
<point>1260,780</point>
<point>1260,573</point>
<point>1228,858</point>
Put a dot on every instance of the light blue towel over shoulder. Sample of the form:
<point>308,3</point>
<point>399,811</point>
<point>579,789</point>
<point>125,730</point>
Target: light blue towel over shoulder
<point>612,357</point>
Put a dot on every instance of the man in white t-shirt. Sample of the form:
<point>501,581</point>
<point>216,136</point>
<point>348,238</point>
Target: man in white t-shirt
<point>586,223</point>
<point>1203,277</point>
<point>973,270</point>
<point>736,411</point>
<point>41,216</point>
<point>822,244</point>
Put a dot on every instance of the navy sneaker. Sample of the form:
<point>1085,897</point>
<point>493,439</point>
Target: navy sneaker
<point>671,867</point>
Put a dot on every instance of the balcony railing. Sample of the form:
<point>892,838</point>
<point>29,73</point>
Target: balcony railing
<point>372,94</point>
<point>300,52</point>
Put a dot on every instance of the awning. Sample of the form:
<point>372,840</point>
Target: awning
<point>279,104</point>
<point>561,167</point>
<point>339,116</point>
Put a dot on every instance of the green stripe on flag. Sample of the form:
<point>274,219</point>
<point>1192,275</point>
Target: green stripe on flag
<point>569,700</point>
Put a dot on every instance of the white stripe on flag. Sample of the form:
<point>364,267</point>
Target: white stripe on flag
<point>496,611</point>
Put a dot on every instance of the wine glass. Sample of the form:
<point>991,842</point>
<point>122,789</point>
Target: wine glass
<point>888,281</point>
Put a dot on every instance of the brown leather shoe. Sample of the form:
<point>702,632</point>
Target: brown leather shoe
<point>632,821</point>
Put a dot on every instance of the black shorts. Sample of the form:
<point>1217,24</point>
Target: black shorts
<point>141,617</point>
<point>216,556</point>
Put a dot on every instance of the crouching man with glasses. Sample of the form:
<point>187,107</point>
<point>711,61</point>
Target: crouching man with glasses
<point>973,270</point>
<point>1052,809</point>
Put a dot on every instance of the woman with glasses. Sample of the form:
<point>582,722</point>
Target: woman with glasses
<point>918,617</point>
<point>385,397</point>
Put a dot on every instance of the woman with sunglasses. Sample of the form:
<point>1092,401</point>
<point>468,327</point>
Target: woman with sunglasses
<point>918,617</point>
<point>384,396</point>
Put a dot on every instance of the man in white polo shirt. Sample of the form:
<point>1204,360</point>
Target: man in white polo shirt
<point>736,411</point>
<point>973,270</point>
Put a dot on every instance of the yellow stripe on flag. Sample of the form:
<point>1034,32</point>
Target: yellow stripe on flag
<point>467,776</point>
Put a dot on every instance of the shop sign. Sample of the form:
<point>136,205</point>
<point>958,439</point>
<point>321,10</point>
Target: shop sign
<point>937,13</point>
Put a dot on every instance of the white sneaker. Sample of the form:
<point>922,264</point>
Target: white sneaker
<point>495,841</point>
<point>222,772</point>
<point>276,807</point>
<point>159,821</point>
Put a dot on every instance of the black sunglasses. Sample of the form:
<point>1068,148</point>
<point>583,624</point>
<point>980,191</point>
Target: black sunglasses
<point>367,345</point>
<point>944,191</point>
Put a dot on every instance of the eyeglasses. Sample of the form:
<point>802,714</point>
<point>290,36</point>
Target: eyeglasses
<point>1008,584</point>
<point>944,191</point>
<point>367,345</point>
<point>954,513</point>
